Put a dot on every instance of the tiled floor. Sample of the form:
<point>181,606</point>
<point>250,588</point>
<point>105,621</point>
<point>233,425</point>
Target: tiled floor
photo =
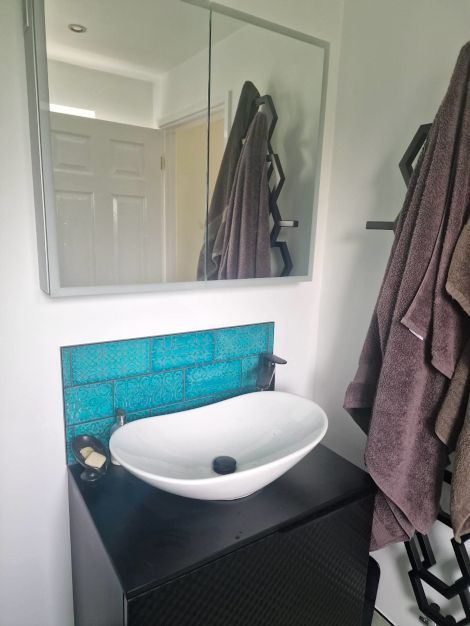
<point>379,620</point>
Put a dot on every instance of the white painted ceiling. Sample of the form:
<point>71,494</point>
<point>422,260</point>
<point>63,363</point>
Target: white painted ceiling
<point>138,38</point>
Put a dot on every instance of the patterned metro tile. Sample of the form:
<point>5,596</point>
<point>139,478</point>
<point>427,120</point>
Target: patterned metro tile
<point>250,367</point>
<point>233,343</point>
<point>211,379</point>
<point>145,392</point>
<point>182,350</point>
<point>88,402</point>
<point>66,367</point>
<point>157,375</point>
<point>105,361</point>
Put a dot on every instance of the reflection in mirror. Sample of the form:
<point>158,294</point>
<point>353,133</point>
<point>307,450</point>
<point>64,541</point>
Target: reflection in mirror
<point>133,188</point>
<point>262,197</point>
<point>129,149</point>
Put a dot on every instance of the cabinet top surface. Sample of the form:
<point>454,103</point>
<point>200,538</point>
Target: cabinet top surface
<point>152,536</point>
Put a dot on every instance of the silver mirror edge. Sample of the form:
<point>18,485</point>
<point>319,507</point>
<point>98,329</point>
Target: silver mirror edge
<point>258,21</point>
<point>146,288</point>
<point>36,142</point>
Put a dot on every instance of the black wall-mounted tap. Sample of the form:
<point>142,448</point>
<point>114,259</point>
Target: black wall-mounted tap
<point>266,369</point>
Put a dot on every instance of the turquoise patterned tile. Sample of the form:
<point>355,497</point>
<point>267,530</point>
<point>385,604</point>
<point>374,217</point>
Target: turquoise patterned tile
<point>138,415</point>
<point>233,343</point>
<point>105,361</point>
<point>271,337</point>
<point>250,367</point>
<point>173,408</point>
<point>144,392</point>
<point>69,434</point>
<point>225,395</point>
<point>210,379</point>
<point>66,375</point>
<point>185,406</point>
<point>98,428</point>
<point>144,376</point>
<point>182,350</point>
<point>69,455</point>
<point>88,402</point>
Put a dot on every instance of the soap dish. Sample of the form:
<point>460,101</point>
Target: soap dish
<point>91,474</point>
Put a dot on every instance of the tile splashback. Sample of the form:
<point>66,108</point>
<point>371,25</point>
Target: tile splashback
<point>157,375</point>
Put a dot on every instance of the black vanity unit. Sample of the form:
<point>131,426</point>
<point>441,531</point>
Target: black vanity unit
<point>293,554</point>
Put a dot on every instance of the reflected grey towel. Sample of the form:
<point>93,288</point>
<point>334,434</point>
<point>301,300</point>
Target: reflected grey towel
<point>246,110</point>
<point>397,390</point>
<point>246,244</point>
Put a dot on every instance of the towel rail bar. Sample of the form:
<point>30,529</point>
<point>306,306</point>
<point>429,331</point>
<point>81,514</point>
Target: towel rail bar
<point>275,167</point>
<point>406,169</point>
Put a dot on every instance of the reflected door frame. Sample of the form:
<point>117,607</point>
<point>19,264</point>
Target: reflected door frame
<point>221,107</point>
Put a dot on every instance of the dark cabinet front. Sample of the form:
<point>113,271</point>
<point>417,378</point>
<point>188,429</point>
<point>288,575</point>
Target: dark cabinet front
<point>311,573</point>
<point>293,554</point>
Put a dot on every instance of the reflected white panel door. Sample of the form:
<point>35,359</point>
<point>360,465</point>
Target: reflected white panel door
<point>108,195</point>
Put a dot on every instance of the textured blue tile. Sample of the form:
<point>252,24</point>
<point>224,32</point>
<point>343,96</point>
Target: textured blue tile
<point>271,337</point>
<point>105,361</point>
<point>174,351</point>
<point>145,392</point>
<point>210,379</point>
<point>233,393</point>
<point>66,376</point>
<point>250,367</point>
<point>185,406</point>
<point>138,415</point>
<point>88,402</point>
<point>232,343</point>
<point>69,434</point>
<point>69,455</point>
<point>98,428</point>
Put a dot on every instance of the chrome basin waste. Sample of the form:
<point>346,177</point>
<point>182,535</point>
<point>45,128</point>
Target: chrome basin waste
<point>264,433</point>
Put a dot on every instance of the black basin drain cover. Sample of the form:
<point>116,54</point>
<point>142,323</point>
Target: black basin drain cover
<point>224,465</point>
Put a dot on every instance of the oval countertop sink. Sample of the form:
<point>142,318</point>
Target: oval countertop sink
<point>266,433</point>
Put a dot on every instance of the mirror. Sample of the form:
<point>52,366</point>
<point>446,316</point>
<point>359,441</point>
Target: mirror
<point>171,144</point>
<point>273,83</point>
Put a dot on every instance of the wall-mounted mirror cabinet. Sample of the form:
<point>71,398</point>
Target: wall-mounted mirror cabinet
<point>173,143</point>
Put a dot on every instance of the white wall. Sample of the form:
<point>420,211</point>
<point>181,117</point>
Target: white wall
<point>396,62</point>
<point>113,98</point>
<point>35,582</point>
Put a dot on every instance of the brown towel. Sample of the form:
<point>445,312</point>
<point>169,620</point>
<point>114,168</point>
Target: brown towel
<point>458,280</point>
<point>460,489</point>
<point>209,259</point>
<point>453,421</point>
<point>453,429</point>
<point>396,392</point>
<point>246,244</point>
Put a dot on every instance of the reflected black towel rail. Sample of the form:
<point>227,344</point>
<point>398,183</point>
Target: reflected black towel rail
<point>275,167</point>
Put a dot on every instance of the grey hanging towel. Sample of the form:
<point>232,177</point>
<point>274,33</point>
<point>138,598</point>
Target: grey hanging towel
<point>453,421</point>
<point>246,110</point>
<point>246,244</point>
<point>416,333</point>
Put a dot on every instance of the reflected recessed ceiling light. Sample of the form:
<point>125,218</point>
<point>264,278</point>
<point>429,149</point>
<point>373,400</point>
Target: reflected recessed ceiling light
<point>77,28</point>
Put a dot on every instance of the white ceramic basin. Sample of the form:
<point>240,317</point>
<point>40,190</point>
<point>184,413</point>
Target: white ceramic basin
<point>265,432</point>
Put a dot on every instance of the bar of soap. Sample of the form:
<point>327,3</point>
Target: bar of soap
<point>96,460</point>
<point>85,452</point>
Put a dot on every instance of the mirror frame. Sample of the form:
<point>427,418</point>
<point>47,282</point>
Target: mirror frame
<point>38,106</point>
